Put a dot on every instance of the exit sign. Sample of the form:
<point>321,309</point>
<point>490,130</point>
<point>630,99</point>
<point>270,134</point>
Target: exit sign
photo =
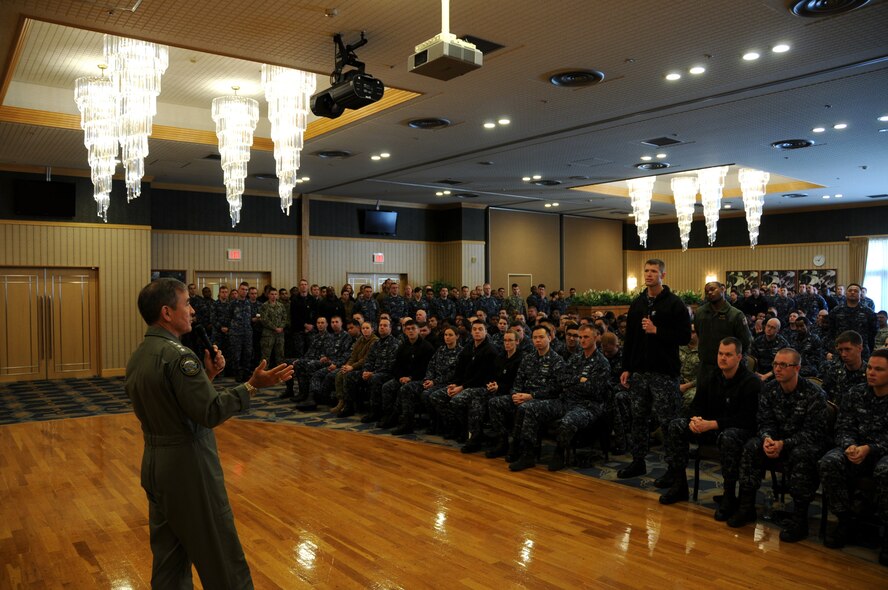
<point>234,254</point>
<point>378,258</point>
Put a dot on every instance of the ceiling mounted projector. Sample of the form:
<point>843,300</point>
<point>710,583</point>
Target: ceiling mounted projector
<point>444,56</point>
<point>350,90</point>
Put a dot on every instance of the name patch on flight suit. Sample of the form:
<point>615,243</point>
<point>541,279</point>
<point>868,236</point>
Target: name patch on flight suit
<point>189,366</point>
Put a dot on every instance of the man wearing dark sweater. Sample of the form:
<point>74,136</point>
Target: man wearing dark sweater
<point>411,361</point>
<point>657,325</point>
<point>724,414</point>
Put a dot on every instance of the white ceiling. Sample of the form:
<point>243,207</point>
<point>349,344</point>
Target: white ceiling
<point>836,71</point>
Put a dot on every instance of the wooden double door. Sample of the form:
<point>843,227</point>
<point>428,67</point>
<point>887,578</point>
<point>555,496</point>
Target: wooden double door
<point>48,323</point>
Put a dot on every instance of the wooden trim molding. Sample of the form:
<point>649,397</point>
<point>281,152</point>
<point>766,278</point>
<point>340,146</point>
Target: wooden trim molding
<point>15,52</point>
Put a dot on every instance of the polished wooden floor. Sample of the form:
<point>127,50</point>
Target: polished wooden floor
<point>320,508</point>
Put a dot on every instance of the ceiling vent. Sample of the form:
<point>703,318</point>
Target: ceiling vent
<point>265,176</point>
<point>794,196</point>
<point>450,182</point>
<point>792,144</point>
<point>215,157</point>
<point>466,196</point>
<point>818,8</point>
<point>547,182</point>
<point>883,196</point>
<point>576,78</point>
<point>653,165</point>
<point>661,142</point>
<point>429,123</point>
<point>333,154</point>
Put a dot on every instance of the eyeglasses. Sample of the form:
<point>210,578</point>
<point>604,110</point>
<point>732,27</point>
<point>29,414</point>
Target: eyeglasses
<point>784,365</point>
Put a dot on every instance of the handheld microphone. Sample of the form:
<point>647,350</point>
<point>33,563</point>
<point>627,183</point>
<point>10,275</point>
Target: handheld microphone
<point>201,334</point>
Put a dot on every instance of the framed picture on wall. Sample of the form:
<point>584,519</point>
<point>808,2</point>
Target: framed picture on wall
<point>820,277</point>
<point>783,278</point>
<point>741,279</point>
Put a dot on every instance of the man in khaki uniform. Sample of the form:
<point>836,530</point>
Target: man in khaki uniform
<point>273,316</point>
<point>189,517</point>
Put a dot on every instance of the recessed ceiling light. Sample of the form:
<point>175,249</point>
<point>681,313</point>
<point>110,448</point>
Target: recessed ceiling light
<point>439,194</point>
<point>504,121</point>
<point>818,130</point>
<point>374,157</point>
<point>645,158</point>
<point>825,196</point>
<point>839,196</point>
<point>661,156</point>
<point>298,181</point>
<point>751,56</point>
<point>547,205</point>
<point>631,215</point>
<point>673,76</point>
<point>883,118</point>
<point>385,155</point>
<point>728,206</point>
<point>697,70</point>
<point>305,179</point>
<point>446,192</point>
<point>526,178</point>
<point>489,125</point>
<point>840,126</point>
<point>554,204</point>
<point>780,48</point>
<point>536,176</point>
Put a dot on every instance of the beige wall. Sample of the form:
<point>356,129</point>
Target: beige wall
<point>593,254</point>
<point>688,270</point>
<point>524,243</point>
<point>205,251</point>
<point>122,256</point>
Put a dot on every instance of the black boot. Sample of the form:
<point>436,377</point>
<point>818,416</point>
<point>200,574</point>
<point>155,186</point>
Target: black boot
<point>557,462</point>
<point>514,451</point>
<point>347,411</point>
<point>634,469</point>
<point>387,421</point>
<point>837,536</point>
<point>745,511</point>
<point>678,492</point>
<point>667,480</point>
<point>500,450</point>
<point>526,461</point>
<point>373,416</point>
<point>288,392</point>
<point>308,405</point>
<point>798,525</point>
<point>474,444</point>
<point>728,505</point>
<point>405,426</point>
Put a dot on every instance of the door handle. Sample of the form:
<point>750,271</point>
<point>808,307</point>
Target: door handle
<point>40,327</point>
<point>49,327</point>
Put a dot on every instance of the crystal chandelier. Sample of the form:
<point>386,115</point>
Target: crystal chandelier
<point>136,69</point>
<point>684,191</point>
<point>640,192</point>
<point>711,181</point>
<point>97,102</point>
<point>753,184</point>
<point>288,93</point>
<point>236,118</point>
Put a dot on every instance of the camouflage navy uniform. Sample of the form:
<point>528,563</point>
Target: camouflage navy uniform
<point>515,305</point>
<point>810,304</point>
<point>445,309</point>
<point>220,318</point>
<point>583,400</point>
<point>240,336</point>
<point>538,376</point>
<point>764,351</point>
<point>204,314</point>
<point>379,361</point>
<point>799,419</point>
<point>322,380</point>
<point>305,367</point>
<point>784,306</point>
<point>862,420</point>
<point>414,305</point>
<point>560,347</point>
<point>411,360</point>
<point>397,308</point>
<point>465,307</point>
<point>619,404</point>
<point>465,411</point>
<point>861,319</point>
<point>273,315</point>
<point>368,308</point>
<point>439,371</point>
<point>490,305</point>
<point>690,369</point>
<point>811,350</point>
<point>839,379</point>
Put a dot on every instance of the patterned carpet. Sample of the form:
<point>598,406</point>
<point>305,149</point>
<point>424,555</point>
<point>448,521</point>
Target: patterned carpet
<point>74,398</point>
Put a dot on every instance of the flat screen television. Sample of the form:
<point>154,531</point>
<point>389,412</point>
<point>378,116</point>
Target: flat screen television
<point>379,223</point>
<point>38,198</point>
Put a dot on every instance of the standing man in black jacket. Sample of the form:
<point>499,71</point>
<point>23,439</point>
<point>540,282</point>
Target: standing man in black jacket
<point>302,316</point>
<point>657,325</point>
<point>724,414</point>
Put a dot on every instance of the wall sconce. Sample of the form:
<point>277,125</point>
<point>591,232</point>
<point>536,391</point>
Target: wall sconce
<point>631,283</point>
<point>711,278</point>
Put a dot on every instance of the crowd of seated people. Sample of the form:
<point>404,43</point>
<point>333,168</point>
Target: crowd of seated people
<point>496,373</point>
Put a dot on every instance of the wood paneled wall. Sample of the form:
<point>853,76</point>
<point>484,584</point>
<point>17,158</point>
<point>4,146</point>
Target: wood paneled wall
<point>122,256</point>
<point>188,251</point>
<point>593,254</point>
<point>524,243</point>
<point>688,270</point>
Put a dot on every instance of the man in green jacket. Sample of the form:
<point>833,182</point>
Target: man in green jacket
<point>714,321</point>
<point>189,517</point>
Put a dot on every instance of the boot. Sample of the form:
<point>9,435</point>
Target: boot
<point>678,491</point>
<point>338,407</point>
<point>500,450</point>
<point>667,480</point>
<point>387,421</point>
<point>347,411</point>
<point>728,506</point>
<point>745,511</point>
<point>406,427</point>
<point>288,392</point>
<point>308,405</point>
<point>634,469</point>
<point>373,416</point>
<point>557,462</point>
<point>474,444</point>
<point>514,451</point>
<point>837,536</point>
<point>798,526</point>
<point>526,461</point>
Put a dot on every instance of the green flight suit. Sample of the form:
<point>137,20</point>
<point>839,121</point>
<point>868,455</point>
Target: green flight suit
<point>189,517</point>
<point>273,315</point>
